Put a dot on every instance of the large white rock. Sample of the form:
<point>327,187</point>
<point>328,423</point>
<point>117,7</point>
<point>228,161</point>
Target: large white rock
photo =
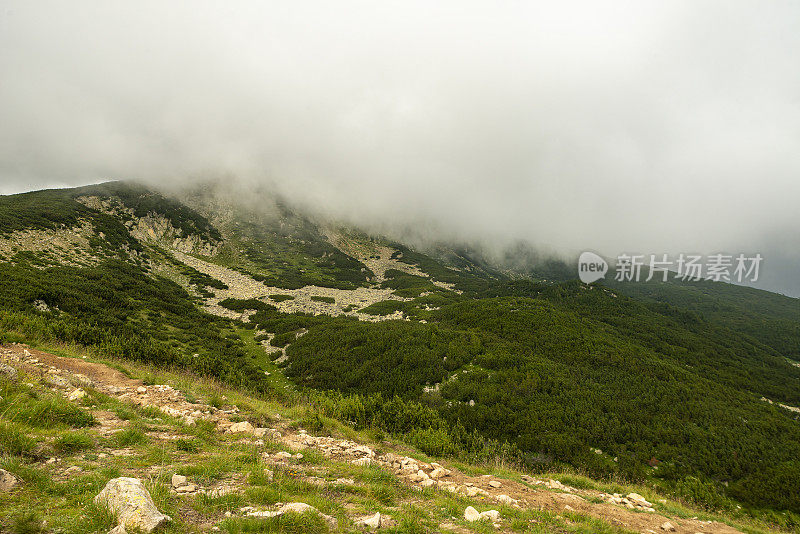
<point>243,426</point>
<point>471,514</point>
<point>128,499</point>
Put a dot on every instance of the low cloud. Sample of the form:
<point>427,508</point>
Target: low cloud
<point>645,127</point>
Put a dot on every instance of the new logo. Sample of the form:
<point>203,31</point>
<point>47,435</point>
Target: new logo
<point>591,267</point>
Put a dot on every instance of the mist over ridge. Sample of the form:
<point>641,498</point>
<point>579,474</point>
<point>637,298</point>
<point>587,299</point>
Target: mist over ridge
<point>634,127</point>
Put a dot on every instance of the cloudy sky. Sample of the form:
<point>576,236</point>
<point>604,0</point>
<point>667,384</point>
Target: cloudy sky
<point>650,127</point>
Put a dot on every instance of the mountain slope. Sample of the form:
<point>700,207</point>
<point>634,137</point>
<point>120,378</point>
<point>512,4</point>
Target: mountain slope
<point>216,458</point>
<point>540,373</point>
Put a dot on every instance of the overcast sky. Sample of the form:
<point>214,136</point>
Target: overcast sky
<point>638,126</point>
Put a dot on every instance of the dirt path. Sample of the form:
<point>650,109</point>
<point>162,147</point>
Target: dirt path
<point>631,511</point>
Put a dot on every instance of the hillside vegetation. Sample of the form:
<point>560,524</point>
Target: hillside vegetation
<point>664,385</point>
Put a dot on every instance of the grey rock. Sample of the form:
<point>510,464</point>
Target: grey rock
<point>7,481</point>
<point>8,371</point>
<point>131,502</point>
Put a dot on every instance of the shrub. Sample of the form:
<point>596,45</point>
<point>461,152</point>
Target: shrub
<point>433,441</point>
<point>281,340</point>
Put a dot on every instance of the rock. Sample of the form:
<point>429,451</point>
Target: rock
<point>128,499</point>
<point>119,529</point>
<point>8,371</point>
<point>638,500</point>
<point>141,390</point>
<point>439,472</point>
<point>370,521</point>
<point>668,527</point>
<point>491,515</point>
<point>427,483</point>
<point>57,381</point>
<point>187,488</point>
<point>82,380</point>
<point>569,508</point>
<point>362,461</point>
<point>471,514</point>
<point>260,432</point>
<point>72,470</point>
<point>77,395</point>
<point>243,426</point>
<point>495,483</point>
<point>178,480</point>
<point>7,481</point>
<point>505,499</point>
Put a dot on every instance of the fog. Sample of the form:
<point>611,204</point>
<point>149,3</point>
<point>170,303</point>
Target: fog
<point>650,127</point>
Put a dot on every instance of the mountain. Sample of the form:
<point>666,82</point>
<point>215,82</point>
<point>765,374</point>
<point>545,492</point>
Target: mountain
<point>691,388</point>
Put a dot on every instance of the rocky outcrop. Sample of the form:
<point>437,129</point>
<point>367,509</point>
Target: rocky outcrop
<point>130,501</point>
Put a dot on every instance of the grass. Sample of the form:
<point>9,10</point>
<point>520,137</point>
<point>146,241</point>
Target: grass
<point>208,459</point>
<point>14,441</point>
<point>129,436</point>
<point>73,442</point>
<point>290,523</point>
<point>37,408</point>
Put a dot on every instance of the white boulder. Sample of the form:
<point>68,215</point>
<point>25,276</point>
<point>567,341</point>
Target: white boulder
<point>128,499</point>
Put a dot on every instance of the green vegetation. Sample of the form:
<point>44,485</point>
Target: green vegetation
<point>665,379</point>
<point>118,308</point>
<point>575,369</point>
<point>41,409</point>
<point>288,251</point>
<point>240,305</point>
<point>317,298</point>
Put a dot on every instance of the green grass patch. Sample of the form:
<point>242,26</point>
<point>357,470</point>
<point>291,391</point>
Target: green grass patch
<point>73,442</point>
